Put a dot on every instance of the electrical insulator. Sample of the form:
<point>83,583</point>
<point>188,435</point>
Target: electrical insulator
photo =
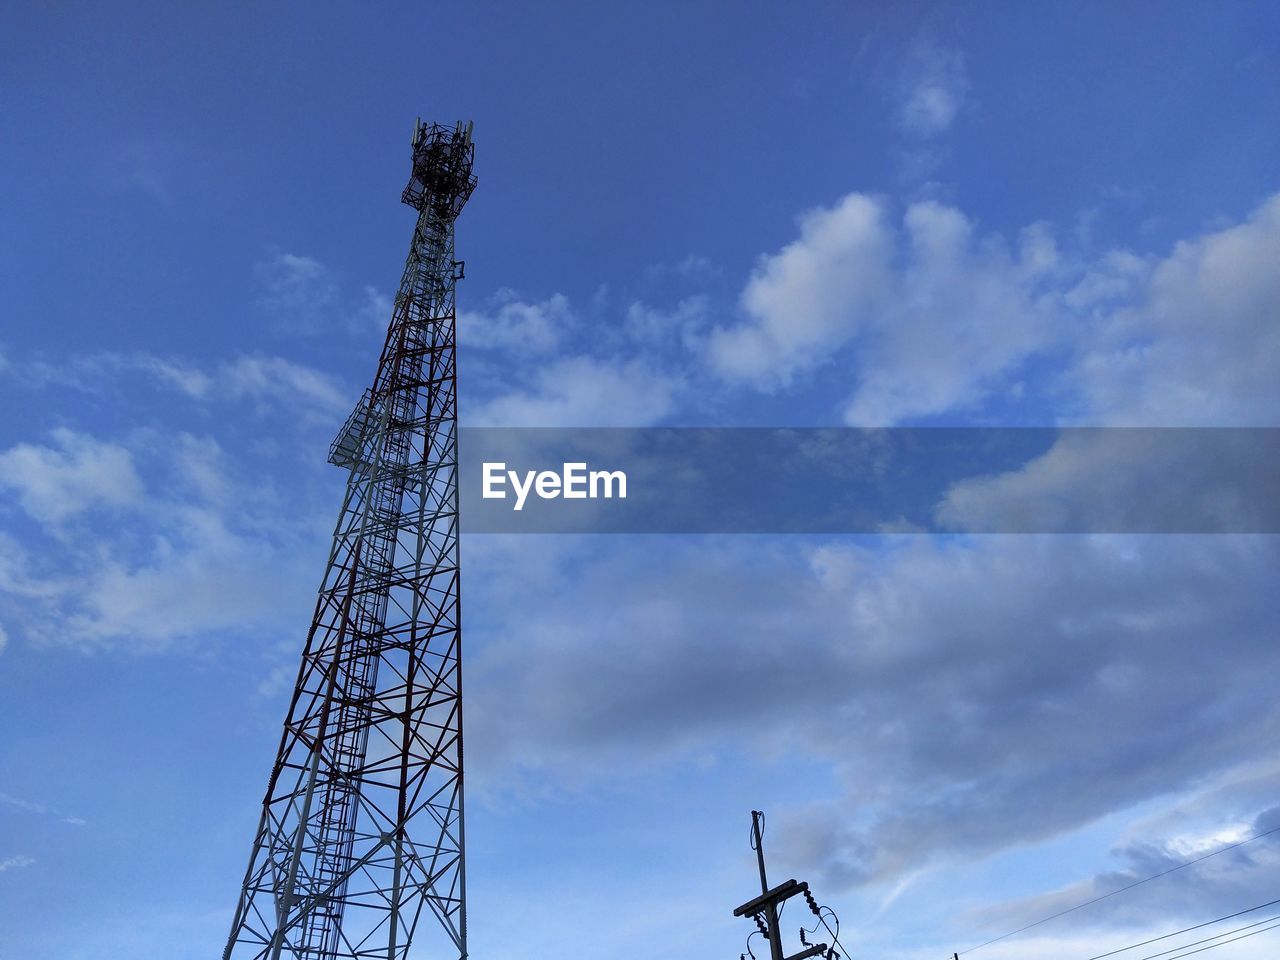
<point>813,904</point>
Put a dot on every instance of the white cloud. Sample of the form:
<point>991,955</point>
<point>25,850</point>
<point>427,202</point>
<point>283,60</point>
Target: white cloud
<point>1157,480</point>
<point>966,309</point>
<point>200,578</point>
<point>192,572</point>
<point>55,482</point>
<point>1221,884</point>
<point>299,293</point>
<point>680,326</point>
<point>932,318</point>
<point>812,297</point>
<point>583,392</point>
<point>200,463</point>
<point>511,324</point>
<point>15,863</point>
<point>93,372</point>
<point>175,373</point>
<point>373,312</point>
<point>40,809</point>
<point>260,378</point>
<point>207,549</point>
<point>951,687</point>
<point>304,390</point>
<point>934,312</point>
<point>1201,344</point>
<point>931,89</point>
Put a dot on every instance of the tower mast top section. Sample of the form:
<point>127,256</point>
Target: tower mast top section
<point>442,180</point>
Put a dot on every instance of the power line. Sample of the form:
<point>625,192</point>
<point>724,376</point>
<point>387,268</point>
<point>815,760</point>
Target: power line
<point>1136,883</point>
<point>1216,936</point>
<point>1243,936</point>
<point>1198,926</point>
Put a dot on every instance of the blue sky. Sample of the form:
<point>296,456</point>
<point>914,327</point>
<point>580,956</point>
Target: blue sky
<point>712,214</point>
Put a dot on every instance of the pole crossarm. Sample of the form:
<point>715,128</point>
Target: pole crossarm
<point>813,951</point>
<point>781,892</point>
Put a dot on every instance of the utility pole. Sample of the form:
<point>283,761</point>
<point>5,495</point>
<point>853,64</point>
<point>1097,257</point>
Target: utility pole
<point>764,909</point>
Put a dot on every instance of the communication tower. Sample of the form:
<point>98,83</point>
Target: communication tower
<point>359,850</point>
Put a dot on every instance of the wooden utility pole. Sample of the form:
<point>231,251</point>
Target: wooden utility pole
<point>764,908</point>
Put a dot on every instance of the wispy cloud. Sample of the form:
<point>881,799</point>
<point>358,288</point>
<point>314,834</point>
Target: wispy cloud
<point>299,295</point>
<point>298,292</point>
<point>264,380</point>
<point>40,809</point>
<point>931,88</point>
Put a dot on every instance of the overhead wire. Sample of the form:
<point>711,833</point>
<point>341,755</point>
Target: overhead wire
<point>1212,946</point>
<point>835,934</point>
<point>1198,926</point>
<point>1130,886</point>
<point>1216,936</point>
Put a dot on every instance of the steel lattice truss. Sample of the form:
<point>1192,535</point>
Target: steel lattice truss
<point>360,845</point>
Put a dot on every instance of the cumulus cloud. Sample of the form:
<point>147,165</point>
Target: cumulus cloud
<point>1201,345</point>
<point>954,688</point>
<point>1157,480</point>
<point>935,312</point>
<point>679,326</point>
<point>55,482</point>
<point>809,299</point>
<point>198,578</point>
<point>583,392</point>
<point>511,324</point>
<point>930,317</point>
<point>180,589</point>
<point>202,533</point>
<point>535,363</point>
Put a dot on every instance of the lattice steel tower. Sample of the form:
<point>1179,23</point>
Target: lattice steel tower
<point>360,847</point>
